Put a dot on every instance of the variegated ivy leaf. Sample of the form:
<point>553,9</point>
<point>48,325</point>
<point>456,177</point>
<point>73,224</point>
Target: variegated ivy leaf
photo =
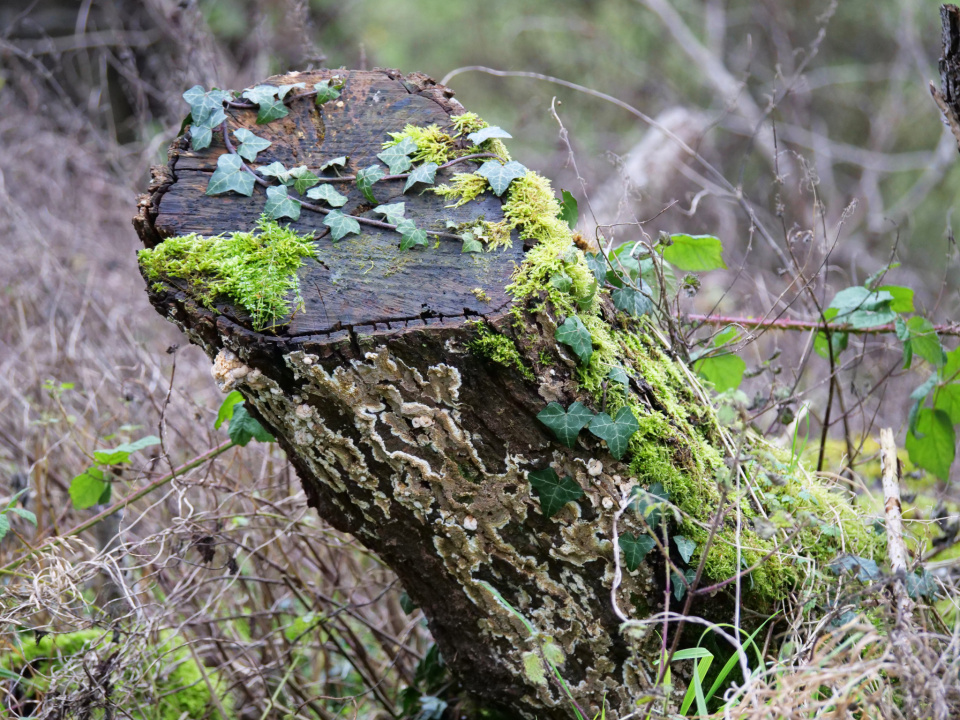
<point>566,424</point>
<point>270,107</point>
<point>336,162</point>
<point>301,178</point>
<point>618,374</point>
<point>426,173</point>
<point>554,492</point>
<point>470,243</point>
<point>392,213</point>
<point>615,431</point>
<point>328,90</point>
<point>328,195</point>
<point>500,176</point>
<point>284,89</point>
<point>279,204</point>
<point>250,144</point>
<point>230,175</point>
<point>575,334</point>
<point>340,224</point>
<point>274,169</point>
<point>685,546</point>
<point>397,157</point>
<point>206,113</point>
<point>635,302</point>
<point>487,133</point>
<point>410,235</point>
<point>366,179</point>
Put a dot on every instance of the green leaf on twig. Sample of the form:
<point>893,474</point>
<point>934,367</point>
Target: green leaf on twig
<point>695,253</point>
<point>340,224</point>
<point>410,234</point>
<point>90,488</point>
<point>279,204</point>
<point>569,213</point>
<point>327,90</point>
<point>366,179</point>
<point>250,144</point>
<point>244,427</point>
<point>932,442</point>
<point>500,176</point>
<point>426,173</point>
<point>230,175</point>
<point>392,213</point>
<point>269,106</point>
<point>326,193</point>
<point>488,133</point>
<point>122,453</point>
<point>397,157</point>
<point>554,492</point>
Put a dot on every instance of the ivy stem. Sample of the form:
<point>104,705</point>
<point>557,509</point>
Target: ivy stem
<point>231,148</point>
<point>952,329</point>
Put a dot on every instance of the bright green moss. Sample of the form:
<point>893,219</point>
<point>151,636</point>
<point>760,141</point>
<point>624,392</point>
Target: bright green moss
<point>463,187</point>
<point>433,144</point>
<point>499,349</point>
<point>178,689</point>
<point>257,270</point>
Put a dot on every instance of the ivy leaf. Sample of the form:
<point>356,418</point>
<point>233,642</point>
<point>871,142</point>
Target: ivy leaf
<point>392,213</point>
<point>326,91</point>
<point>554,492</point>
<point>284,89</point>
<point>685,547</point>
<point>250,144</point>
<point>500,176</point>
<point>90,488</point>
<point>340,224</point>
<point>634,302</point>
<point>366,179</point>
<point>279,204</point>
<point>274,169</point>
<point>230,175</point>
<point>303,179</point>
<point>566,424</point>
<point>487,133</point>
<point>561,281</point>
<point>336,162</point>
<point>569,213</point>
<point>226,408</point>
<point>326,193</point>
<point>397,156</point>
<point>867,570</point>
<point>635,549</point>
<point>575,334</point>
<point>426,173</point>
<point>410,234</point>
<point>270,107</point>
<point>679,587</point>
<point>122,453</point>
<point>695,253</point>
<point>200,137</point>
<point>244,427</point>
<point>598,266</point>
<point>618,374</point>
<point>470,243</point>
<point>616,431</point>
<point>932,443</point>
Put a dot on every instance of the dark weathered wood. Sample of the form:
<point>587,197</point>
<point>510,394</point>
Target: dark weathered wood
<point>948,96</point>
<point>365,278</point>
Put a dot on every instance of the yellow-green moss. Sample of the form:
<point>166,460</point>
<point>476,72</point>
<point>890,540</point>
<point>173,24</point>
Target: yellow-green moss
<point>464,187</point>
<point>178,692</point>
<point>499,349</point>
<point>257,270</point>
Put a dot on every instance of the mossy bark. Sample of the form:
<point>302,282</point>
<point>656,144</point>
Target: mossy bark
<point>414,431</point>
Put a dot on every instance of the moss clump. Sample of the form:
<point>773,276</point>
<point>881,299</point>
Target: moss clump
<point>178,691</point>
<point>257,270</point>
<point>463,187</point>
<point>499,349</point>
<point>433,144</point>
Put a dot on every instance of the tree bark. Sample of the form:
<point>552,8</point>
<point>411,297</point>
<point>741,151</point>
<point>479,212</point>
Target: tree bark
<point>408,438</point>
<point>948,96</point>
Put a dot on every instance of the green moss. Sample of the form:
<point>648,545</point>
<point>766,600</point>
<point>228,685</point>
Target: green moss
<point>463,187</point>
<point>433,144</point>
<point>499,349</point>
<point>179,691</point>
<point>257,270</point>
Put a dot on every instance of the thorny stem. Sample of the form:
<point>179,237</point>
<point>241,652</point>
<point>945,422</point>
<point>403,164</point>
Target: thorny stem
<point>120,504</point>
<point>950,329</point>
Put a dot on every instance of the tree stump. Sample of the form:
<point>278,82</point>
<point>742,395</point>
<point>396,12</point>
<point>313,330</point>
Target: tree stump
<point>407,392</point>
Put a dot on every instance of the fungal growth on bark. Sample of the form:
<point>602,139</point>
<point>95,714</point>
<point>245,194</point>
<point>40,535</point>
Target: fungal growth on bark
<point>402,305</point>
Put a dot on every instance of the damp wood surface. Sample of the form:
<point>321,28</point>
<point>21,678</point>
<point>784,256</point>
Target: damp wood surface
<point>363,279</point>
